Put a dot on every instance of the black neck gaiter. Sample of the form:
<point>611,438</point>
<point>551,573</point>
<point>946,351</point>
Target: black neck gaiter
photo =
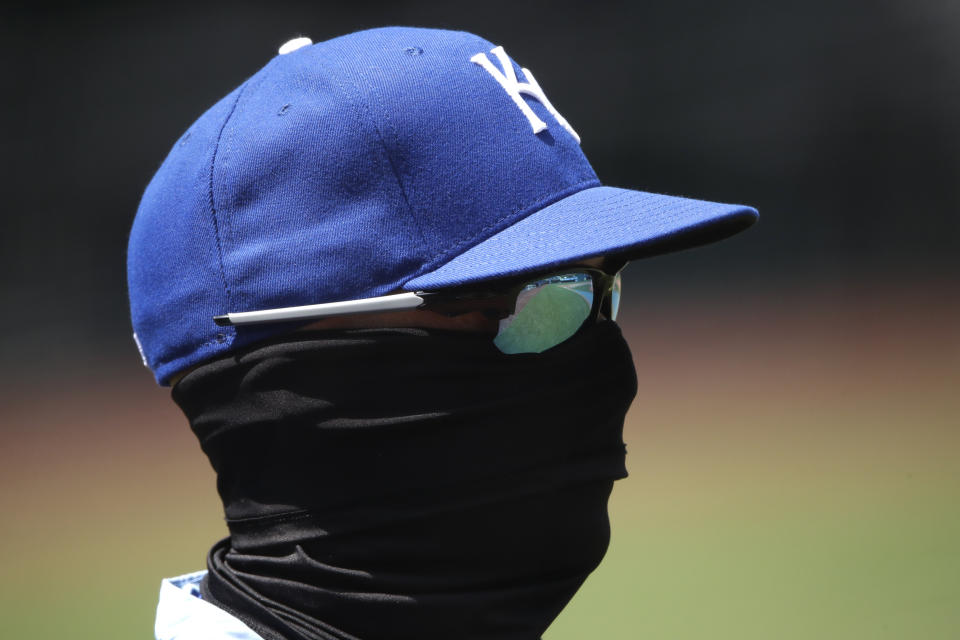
<point>408,483</point>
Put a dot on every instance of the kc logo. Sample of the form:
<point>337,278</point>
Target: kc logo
<point>507,78</point>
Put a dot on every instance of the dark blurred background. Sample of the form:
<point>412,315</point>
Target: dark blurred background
<point>837,119</point>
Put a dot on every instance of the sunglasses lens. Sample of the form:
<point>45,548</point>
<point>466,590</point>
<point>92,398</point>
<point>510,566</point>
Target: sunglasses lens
<point>548,312</point>
<point>615,298</point>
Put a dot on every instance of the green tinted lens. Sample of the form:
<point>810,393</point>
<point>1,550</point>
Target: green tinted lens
<point>615,298</point>
<point>548,312</point>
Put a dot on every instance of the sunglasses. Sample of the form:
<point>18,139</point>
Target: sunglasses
<point>534,314</point>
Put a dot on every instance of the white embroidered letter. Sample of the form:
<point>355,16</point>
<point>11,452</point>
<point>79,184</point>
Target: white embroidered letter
<point>508,80</point>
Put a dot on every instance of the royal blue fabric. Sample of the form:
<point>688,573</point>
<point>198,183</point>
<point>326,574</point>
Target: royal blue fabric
<point>174,271</point>
<point>601,220</point>
<point>355,167</point>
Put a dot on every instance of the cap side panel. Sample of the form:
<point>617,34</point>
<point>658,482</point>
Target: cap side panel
<point>223,195</point>
<point>313,210</point>
<point>362,107</point>
<point>174,272</point>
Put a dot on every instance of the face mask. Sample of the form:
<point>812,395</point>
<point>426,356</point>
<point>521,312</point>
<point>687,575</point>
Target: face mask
<point>408,483</point>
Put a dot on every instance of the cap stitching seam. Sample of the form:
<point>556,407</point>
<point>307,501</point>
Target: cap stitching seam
<point>213,208</point>
<point>359,104</point>
<point>252,84</point>
<point>393,166</point>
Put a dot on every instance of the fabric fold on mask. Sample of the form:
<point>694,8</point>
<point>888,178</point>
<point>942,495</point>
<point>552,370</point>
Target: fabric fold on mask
<point>409,483</point>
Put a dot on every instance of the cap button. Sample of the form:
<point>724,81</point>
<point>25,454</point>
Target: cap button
<point>293,45</point>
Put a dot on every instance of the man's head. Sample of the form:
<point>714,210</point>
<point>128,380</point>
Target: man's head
<point>437,466</point>
<point>383,161</point>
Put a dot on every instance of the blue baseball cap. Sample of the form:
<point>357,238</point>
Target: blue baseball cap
<point>385,160</point>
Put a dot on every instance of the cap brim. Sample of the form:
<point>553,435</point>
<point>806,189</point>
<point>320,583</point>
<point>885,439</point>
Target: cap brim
<point>593,222</point>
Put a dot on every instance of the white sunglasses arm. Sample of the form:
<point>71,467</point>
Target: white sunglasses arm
<point>394,302</point>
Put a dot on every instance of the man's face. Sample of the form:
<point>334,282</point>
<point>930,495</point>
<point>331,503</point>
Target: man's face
<point>471,322</point>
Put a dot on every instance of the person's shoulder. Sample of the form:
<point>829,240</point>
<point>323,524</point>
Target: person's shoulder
<point>183,614</point>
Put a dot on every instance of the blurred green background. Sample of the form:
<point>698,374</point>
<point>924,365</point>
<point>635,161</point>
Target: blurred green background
<point>794,473</point>
<point>794,449</point>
